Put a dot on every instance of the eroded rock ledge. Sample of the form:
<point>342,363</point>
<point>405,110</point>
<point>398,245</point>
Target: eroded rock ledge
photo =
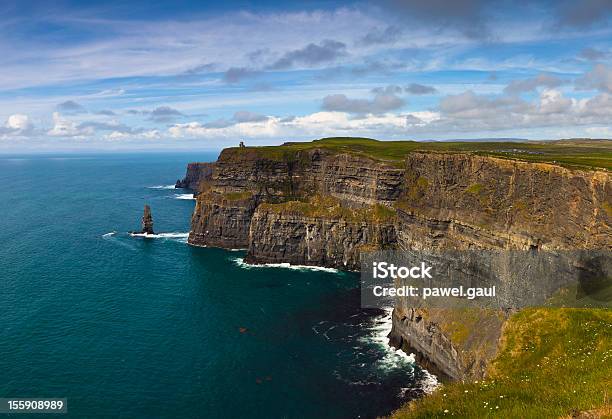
<point>323,207</point>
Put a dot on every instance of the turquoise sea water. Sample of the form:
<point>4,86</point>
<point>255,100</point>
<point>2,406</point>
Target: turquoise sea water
<point>154,328</point>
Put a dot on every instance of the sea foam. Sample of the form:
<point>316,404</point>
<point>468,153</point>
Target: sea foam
<point>187,196</point>
<point>182,237</point>
<point>240,262</point>
<point>396,357</point>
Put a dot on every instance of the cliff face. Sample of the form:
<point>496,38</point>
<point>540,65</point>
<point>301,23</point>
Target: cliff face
<point>230,208</point>
<point>313,240</point>
<point>221,220</point>
<point>459,201</point>
<point>317,207</point>
<point>196,173</point>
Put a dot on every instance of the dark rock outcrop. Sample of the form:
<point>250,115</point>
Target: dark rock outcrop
<point>147,221</point>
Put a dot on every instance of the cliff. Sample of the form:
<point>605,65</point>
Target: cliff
<point>196,172</point>
<point>455,201</point>
<point>324,203</point>
<point>301,237</point>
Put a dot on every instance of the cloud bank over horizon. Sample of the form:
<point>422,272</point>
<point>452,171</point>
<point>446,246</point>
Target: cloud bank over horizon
<point>136,76</point>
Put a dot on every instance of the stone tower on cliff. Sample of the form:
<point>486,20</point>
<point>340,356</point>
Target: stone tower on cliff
<point>147,221</point>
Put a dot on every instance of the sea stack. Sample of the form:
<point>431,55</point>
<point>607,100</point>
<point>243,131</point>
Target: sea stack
<point>147,221</point>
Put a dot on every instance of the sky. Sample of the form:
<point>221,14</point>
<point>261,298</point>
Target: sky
<point>182,75</point>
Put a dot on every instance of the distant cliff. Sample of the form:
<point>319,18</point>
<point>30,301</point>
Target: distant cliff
<point>196,173</point>
<point>324,205</point>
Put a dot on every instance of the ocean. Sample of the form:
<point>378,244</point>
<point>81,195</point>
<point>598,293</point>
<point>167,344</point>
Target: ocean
<point>131,327</point>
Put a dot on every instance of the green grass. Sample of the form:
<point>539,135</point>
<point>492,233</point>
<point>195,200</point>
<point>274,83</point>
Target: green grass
<point>552,363</point>
<point>586,154</point>
<point>238,196</point>
<point>474,189</point>
<point>329,207</point>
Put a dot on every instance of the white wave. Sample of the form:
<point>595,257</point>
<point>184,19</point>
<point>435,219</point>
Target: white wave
<point>173,235</point>
<point>162,187</point>
<point>112,237</point>
<point>380,335</point>
<point>182,237</point>
<point>396,357</point>
<point>187,196</point>
<point>430,382</point>
<point>240,262</point>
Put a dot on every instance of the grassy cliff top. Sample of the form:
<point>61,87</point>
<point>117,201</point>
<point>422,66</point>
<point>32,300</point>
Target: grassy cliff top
<point>579,153</point>
<point>553,363</point>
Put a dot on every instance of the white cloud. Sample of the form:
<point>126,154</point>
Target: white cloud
<point>599,106</point>
<point>426,116</point>
<point>63,127</point>
<point>318,124</point>
<point>17,126</point>
<point>267,128</point>
<point>552,101</point>
<point>152,134</point>
<point>469,112</point>
<point>18,122</point>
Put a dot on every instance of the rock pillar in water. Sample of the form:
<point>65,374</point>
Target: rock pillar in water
<point>147,221</point>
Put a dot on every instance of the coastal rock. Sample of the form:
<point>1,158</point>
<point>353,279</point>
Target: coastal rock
<point>147,221</point>
<point>453,343</point>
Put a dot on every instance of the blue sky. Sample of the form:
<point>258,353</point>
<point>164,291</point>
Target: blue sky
<point>190,75</point>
